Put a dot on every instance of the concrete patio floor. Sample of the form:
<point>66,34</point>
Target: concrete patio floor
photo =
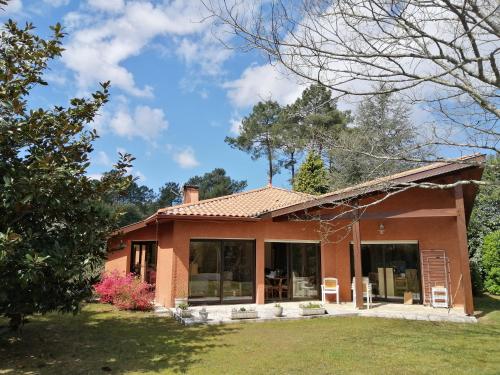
<point>220,314</point>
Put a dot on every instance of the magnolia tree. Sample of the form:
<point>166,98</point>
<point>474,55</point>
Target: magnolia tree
<point>55,220</point>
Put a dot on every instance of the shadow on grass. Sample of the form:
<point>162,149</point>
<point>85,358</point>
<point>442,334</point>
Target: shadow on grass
<point>103,340</point>
<point>487,305</point>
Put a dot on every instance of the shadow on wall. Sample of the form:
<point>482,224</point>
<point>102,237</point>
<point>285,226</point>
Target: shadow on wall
<point>102,340</point>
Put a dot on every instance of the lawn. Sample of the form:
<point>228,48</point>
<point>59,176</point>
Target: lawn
<point>102,340</point>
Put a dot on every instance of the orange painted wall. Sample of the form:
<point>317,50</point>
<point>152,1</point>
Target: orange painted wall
<point>174,239</point>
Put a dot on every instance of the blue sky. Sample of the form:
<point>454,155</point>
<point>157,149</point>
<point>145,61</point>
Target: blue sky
<point>176,91</point>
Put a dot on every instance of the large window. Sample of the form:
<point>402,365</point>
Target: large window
<point>292,271</point>
<point>392,268</point>
<point>221,271</point>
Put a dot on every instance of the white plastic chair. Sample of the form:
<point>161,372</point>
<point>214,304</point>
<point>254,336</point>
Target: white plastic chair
<point>367,291</point>
<point>330,286</point>
<point>439,296</point>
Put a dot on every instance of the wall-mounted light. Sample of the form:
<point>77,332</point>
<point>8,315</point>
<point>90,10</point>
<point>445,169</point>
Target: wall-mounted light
<point>381,229</point>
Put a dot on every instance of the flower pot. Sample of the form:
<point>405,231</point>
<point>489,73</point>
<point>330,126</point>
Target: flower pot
<point>203,315</point>
<point>180,301</point>
<point>251,314</point>
<point>184,313</point>
<point>312,311</point>
<point>278,311</point>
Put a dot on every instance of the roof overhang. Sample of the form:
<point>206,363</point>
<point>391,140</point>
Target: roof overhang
<point>475,161</point>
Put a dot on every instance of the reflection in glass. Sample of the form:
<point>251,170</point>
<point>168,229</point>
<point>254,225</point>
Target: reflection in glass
<point>221,266</point>
<point>392,269</point>
<point>204,271</point>
<point>291,270</point>
<point>237,270</point>
<point>304,270</point>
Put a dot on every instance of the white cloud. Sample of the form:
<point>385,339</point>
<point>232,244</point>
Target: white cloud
<point>107,5</point>
<point>144,122</point>
<point>103,159</point>
<point>206,52</point>
<point>262,82</point>
<point>186,158</point>
<point>13,6</point>
<point>139,175</point>
<point>235,125</point>
<point>56,3</point>
<point>97,50</point>
<point>95,176</point>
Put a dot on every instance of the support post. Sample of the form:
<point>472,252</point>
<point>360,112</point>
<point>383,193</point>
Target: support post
<point>356,233</point>
<point>463,250</point>
<point>259,271</point>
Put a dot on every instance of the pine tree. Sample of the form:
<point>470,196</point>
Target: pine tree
<point>312,177</point>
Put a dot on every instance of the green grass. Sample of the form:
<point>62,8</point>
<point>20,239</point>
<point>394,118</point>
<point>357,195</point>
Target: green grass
<point>139,343</point>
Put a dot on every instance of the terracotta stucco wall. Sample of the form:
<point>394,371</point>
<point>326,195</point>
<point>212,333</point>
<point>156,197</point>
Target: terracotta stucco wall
<point>174,239</point>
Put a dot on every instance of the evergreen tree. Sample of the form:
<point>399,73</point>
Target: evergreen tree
<point>312,177</point>
<point>170,195</point>
<point>316,113</point>
<point>382,141</point>
<point>259,135</point>
<point>216,184</point>
<point>485,219</point>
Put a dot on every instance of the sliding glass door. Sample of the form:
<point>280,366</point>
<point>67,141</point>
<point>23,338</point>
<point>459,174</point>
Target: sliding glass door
<point>221,271</point>
<point>392,268</point>
<point>292,271</point>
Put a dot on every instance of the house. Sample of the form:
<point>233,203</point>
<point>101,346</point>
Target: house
<point>273,244</point>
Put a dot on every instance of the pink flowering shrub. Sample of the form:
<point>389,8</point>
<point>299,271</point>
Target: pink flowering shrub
<point>126,292</point>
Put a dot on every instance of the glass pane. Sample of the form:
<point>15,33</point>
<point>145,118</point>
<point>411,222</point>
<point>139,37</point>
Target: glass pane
<point>151,256</point>
<point>204,271</point>
<point>276,271</point>
<point>372,264</point>
<point>305,264</point>
<point>401,262</point>
<point>135,261</point>
<point>391,268</point>
<point>237,273</point>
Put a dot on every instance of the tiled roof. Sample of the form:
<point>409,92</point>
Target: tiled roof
<point>379,184</point>
<point>249,204</point>
<point>410,175</point>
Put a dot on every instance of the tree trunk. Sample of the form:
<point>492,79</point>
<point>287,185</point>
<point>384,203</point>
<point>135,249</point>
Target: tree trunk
<point>16,321</point>
<point>270,160</point>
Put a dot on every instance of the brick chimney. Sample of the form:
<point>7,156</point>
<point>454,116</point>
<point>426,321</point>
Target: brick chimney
<point>191,194</point>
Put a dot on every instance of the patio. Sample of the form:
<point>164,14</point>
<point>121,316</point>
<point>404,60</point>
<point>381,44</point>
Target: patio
<point>221,314</point>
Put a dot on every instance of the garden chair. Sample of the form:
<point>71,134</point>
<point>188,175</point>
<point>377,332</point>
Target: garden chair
<point>330,286</point>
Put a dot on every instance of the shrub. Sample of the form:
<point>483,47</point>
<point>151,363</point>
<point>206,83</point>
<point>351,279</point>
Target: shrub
<point>491,262</point>
<point>125,292</point>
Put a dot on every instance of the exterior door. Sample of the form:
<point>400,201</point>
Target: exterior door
<point>392,268</point>
<point>221,271</point>
<point>143,260</point>
<point>292,271</point>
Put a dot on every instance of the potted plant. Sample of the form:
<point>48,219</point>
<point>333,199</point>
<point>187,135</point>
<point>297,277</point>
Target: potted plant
<point>181,298</point>
<point>203,314</point>
<point>183,311</point>
<point>278,310</point>
<point>243,313</point>
<point>311,309</point>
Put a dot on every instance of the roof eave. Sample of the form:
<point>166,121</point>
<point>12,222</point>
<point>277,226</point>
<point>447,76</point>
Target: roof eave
<point>417,177</point>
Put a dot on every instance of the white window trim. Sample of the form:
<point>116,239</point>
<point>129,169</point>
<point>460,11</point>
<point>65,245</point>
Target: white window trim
<point>384,242</point>
<point>293,241</point>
